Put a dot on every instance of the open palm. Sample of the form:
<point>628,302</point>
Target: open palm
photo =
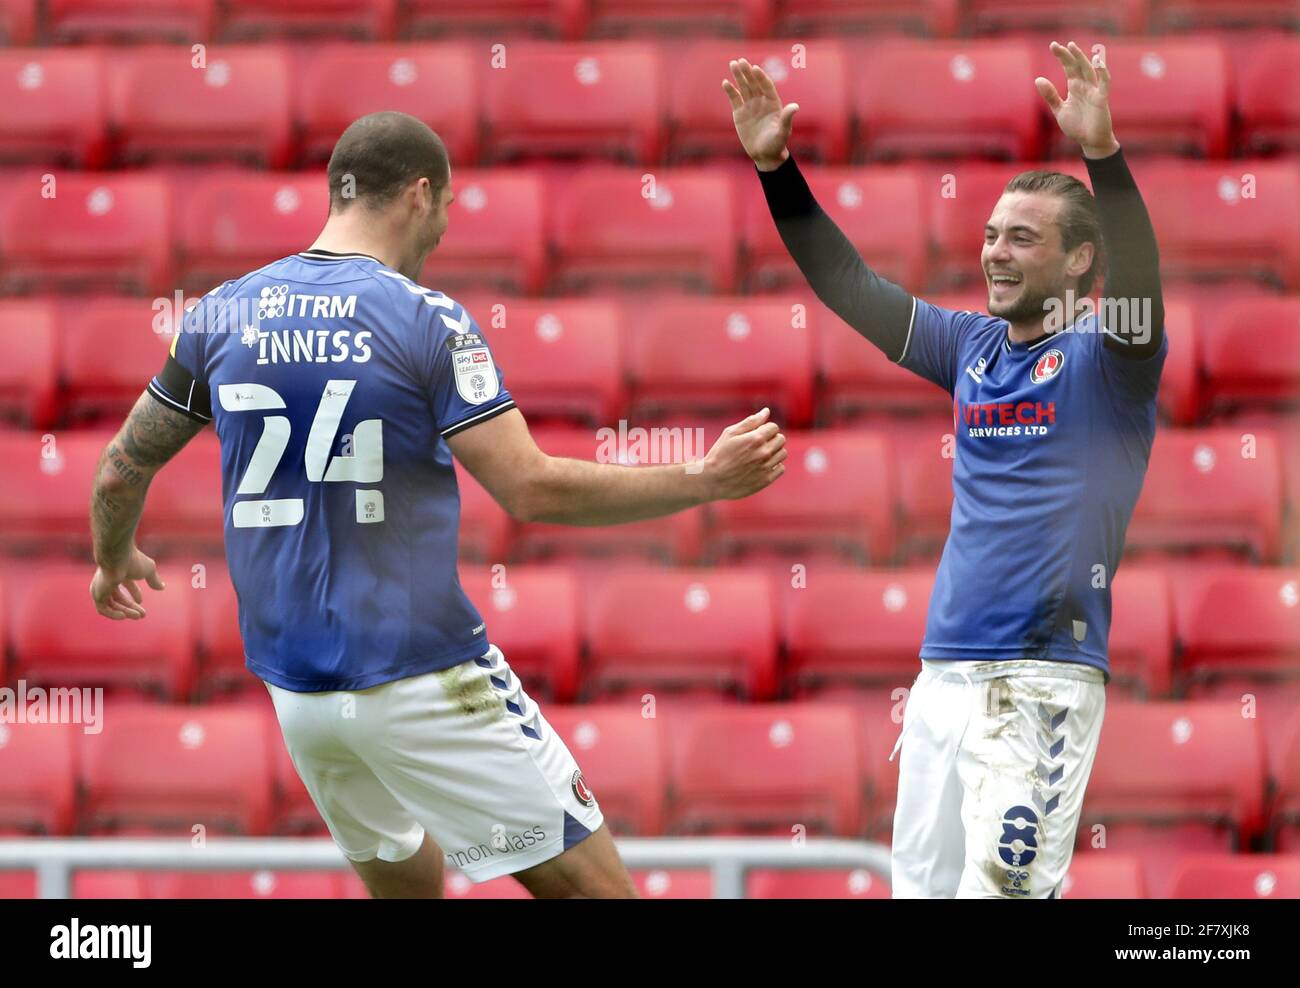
<point>762,123</point>
<point>1084,115</point>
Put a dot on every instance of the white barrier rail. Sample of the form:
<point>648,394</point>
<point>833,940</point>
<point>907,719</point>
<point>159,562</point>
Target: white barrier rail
<point>728,859</point>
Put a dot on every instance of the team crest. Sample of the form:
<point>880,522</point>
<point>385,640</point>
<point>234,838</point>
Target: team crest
<point>581,791</point>
<point>1047,366</point>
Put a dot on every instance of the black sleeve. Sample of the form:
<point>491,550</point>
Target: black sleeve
<point>1131,256</point>
<point>876,307</point>
<point>178,389</point>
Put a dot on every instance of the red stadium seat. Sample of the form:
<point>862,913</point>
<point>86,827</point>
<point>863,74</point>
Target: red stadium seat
<point>1141,642</point>
<point>947,98</point>
<point>234,106</point>
<point>485,528</point>
<point>813,884</point>
<point>233,222</point>
<point>1193,14</point>
<point>590,99</point>
<point>84,231</point>
<point>678,883</point>
<point>542,18</point>
<point>721,357</point>
<point>613,226</point>
<point>435,82</point>
<point>17,885</point>
<point>1238,876</point>
<point>116,21</point>
<point>1284,825</point>
<point>875,641</point>
<point>837,17</point>
<point>244,885</point>
<point>109,349</point>
<point>922,453</point>
<point>1268,97</point>
<point>876,208</point>
<point>723,637</point>
<point>185,510</point>
<point>52,107</point>
<point>812,73</point>
<point>561,358</point>
<point>1176,95</point>
<point>1179,399</point>
<point>216,615</point>
<point>766,769</point>
<point>38,776</point>
<point>1105,16</point>
<point>28,381</point>
<point>45,497</point>
<point>17,22</point>
<point>1225,220</point>
<point>1171,778</point>
<point>1104,876</point>
<point>746,18</point>
<point>88,884</point>
<point>497,236</point>
<point>623,759</point>
<point>532,616</point>
<point>170,768</point>
<point>1240,635</point>
<point>1210,489</point>
<point>672,538</point>
<point>1239,371</point>
<point>372,20</point>
<point>836,496</point>
<point>857,379</point>
<point>58,645</point>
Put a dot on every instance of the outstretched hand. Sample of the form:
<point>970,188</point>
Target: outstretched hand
<point>762,123</point>
<point>1084,115</point>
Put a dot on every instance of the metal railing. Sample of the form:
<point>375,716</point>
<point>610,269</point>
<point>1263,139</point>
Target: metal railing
<point>728,859</point>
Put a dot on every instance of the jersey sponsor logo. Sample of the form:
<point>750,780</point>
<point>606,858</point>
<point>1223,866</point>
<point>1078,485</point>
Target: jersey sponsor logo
<point>1047,366</point>
<point>580,789</point>
<point>276,302</point>
<point>1008,418</point>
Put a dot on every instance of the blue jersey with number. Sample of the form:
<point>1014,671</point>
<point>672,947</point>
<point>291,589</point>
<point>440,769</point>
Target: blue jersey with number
<point>1052,443</point>
<point>333,382</point>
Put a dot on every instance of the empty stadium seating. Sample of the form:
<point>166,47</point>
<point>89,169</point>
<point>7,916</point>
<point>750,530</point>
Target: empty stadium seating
<point>748,18</point>
<point>1221,876</point>
<point>788,769</point>
<point>856,884</point>
<point>832,499</point>
<point>723,638</point>
<point>253,19</point>
<point>169,769</point>
<point>1251,353</point>
<point>109,349</point>
<point>1267,96</point>
<point>52,107</point>
<point>29,375</point>
<point>1103,876</point>
<point>37,775</point>
<point>129,20</point>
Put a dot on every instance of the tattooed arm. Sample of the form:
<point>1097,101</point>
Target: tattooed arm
<point>151,435</point>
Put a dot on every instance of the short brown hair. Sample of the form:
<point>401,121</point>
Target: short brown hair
<point>382,153</point>
<point>1078,218</point>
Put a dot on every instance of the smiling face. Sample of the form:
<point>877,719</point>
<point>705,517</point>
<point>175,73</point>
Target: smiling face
<point>1025,263</point>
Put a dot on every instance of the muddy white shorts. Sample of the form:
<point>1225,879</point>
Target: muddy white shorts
<point>463,754</point>
<point>995,760</point>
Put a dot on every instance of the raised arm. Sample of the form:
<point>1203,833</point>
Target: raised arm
<point>1132,257</point>
<point>874,306</point>
<point>532,486</point>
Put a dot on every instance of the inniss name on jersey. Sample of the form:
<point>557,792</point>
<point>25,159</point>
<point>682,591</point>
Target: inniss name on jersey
<point>289,346</point>
<point>1008,418</point>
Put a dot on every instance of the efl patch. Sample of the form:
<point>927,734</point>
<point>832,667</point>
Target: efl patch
<point>476,375</point>
<point>581,791</point>
<point>1047,366</point>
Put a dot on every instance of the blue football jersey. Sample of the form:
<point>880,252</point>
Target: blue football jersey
<point>333,383</point>
<point>1052,440</point>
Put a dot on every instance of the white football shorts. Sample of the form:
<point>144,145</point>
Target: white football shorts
<point>995,760</point>
<point>463,754</point>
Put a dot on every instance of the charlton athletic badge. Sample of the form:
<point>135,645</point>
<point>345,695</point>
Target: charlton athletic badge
<point>581,791</point>
<point>1047,366</point>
